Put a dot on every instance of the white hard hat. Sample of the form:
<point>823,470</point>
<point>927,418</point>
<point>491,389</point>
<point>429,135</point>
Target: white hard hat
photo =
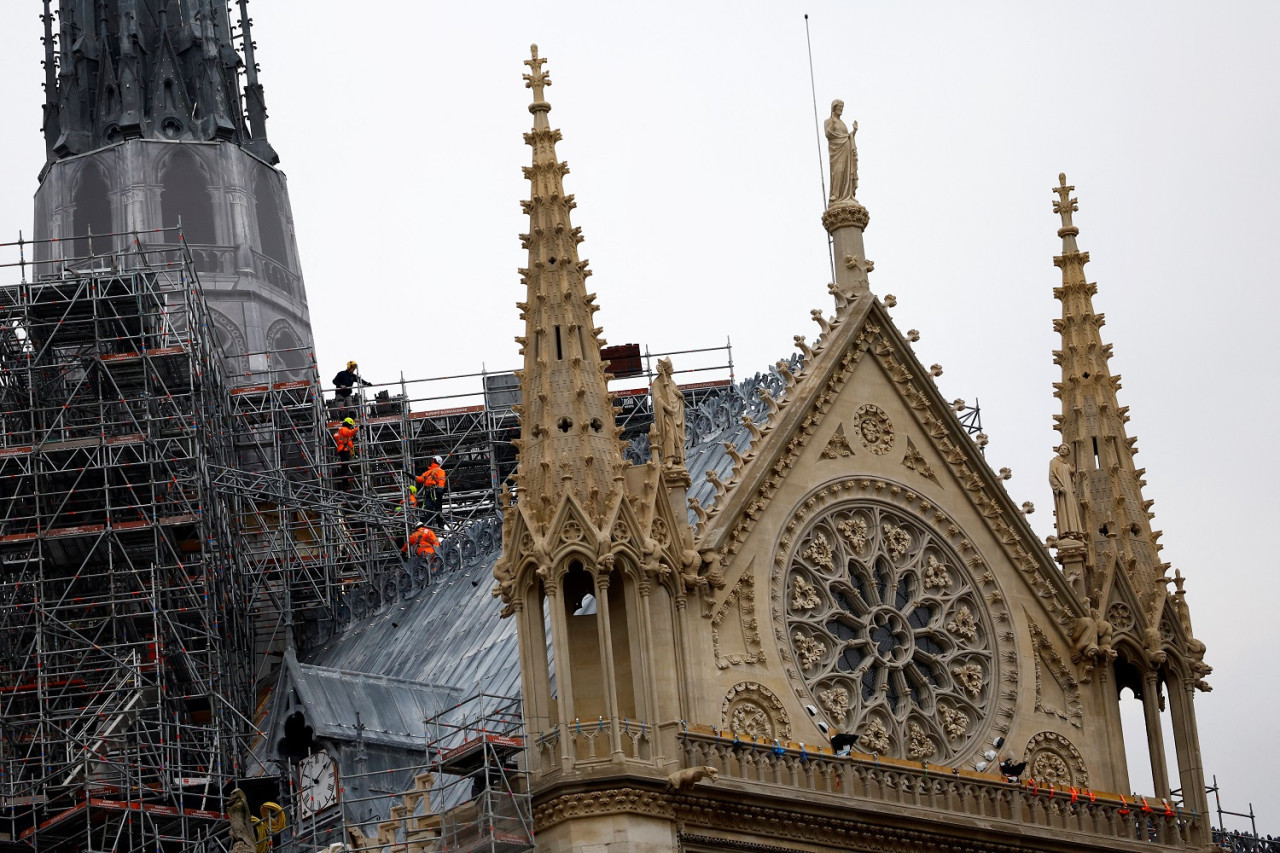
<point>437,460</point>
<point>421,524</point>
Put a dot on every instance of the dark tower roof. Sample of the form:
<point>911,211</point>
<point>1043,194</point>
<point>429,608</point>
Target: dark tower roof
<point>153,69</point>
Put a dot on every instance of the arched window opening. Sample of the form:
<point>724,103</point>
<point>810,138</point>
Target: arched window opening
<point>271,236</point>
<point>1138,737</point>
<point>92,213</point>
<point>583,644</point>
<point>185,195</point>
<point>626,660</point>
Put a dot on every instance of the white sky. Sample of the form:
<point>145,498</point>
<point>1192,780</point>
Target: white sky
<point>690,132</point>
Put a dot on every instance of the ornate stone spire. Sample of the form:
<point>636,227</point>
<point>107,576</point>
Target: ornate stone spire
<point>164,70</point>
<point>569,443</point>
<point>1115,517</point>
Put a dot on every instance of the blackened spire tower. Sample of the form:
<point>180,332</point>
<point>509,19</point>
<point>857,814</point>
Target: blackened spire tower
<point>148,122</point>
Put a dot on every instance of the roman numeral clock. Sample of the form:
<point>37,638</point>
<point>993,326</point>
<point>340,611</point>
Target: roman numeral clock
<point>317,783</point>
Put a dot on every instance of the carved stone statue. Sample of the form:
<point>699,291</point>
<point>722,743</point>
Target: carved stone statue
<point>844,156</point>
<point>1062,477</point>
<point>667,433</point>
<point>244,839</point>
<point>683,780</point>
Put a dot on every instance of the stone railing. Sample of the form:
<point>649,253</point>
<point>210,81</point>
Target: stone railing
<point>964,795</point>
<point>592,741</point>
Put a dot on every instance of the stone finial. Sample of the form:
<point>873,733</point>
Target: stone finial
<point>537,80</point>
<point>1064,206</point>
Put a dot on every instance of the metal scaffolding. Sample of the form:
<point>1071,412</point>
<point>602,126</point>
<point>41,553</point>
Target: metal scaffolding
<point>167,534</point>
<point>124,672</point>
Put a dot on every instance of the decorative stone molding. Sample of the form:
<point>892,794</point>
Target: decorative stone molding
<point>845,215</point>
<point>754,710</point>
<point>914,460</point>
<point>884,625</point>
<point>874,428</point>
<point>838,447</point>
<point>739,603</point>
<point>1049,665</point>
<point>1053,760</point>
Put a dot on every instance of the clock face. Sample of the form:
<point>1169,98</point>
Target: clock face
<point>318,782</point>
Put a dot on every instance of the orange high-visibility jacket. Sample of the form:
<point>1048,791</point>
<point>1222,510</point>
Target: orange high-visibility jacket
<point>424,541</point>
<point>432,478</point>
<point>345,438</point>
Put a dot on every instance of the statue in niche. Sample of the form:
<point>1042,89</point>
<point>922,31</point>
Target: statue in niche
<point>1062,478</point>
<point>844,156</point>
<point>667,433</point>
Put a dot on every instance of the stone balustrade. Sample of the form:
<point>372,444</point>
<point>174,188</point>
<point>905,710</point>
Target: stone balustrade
<point>968,796</point>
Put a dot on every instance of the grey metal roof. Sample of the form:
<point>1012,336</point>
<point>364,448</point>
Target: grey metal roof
<point>391,711</point>
<point>450,633</point>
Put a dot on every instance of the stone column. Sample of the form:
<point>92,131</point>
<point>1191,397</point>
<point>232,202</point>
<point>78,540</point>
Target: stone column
<point>605,632</point>
<point>845,222</point>
<point>1187,743</point>
<point>564,684</point>
<point>1155,735</point>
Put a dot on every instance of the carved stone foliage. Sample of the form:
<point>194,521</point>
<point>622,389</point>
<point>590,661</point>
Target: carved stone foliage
<point>888,631</point>
<point>1057,691</point>
<point>1053,760</point>
<point>838,447</point>
<point>874,428</point>
<point>735,633</point>
<point>753,710</point>
<point>914,460</point>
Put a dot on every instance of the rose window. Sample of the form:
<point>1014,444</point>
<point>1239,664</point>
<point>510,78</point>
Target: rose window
<point>888,633</point>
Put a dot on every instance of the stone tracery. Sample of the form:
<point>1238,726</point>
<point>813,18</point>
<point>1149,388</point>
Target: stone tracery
<point>883,622</point>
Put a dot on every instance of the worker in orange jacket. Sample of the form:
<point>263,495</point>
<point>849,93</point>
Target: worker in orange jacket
<point>412,501</point>
<point>433,480</point>
<point>423,541</point>
<point>345,442</point>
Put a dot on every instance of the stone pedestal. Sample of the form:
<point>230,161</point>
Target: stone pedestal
<point>845,221</point>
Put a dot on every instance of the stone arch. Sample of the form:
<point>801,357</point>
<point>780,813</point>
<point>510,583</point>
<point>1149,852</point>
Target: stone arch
<point>185,195</point>
<point>92,199</point>
<point>272,236</point>
<point>287,348</point>
<point>231,343</point>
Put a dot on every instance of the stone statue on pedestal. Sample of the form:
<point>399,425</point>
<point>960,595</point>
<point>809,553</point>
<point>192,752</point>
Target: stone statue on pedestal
<point>844,156</point>
<point>1062,477</point>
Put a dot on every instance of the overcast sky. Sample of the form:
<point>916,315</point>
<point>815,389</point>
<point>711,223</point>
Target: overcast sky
<point>689,129</point>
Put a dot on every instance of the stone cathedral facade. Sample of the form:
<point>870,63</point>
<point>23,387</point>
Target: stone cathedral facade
<point>694,629</point>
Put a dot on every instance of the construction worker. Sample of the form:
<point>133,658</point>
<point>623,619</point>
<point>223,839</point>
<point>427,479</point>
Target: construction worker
<point>423,541</point>
<point>433,480</point>
<point>342,384</point>
<point>412,501</point>
<point>345,442</point>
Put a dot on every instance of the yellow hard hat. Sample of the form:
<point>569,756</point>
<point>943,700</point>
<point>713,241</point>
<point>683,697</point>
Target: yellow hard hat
<point>348,422</point>
<point>351,365</point>
<point>413,489</point>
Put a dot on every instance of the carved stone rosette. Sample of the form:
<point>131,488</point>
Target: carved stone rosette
<point>1052,759</point>
<point>875,429</point>
<point>888,631</point>
<point>753,710</point>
